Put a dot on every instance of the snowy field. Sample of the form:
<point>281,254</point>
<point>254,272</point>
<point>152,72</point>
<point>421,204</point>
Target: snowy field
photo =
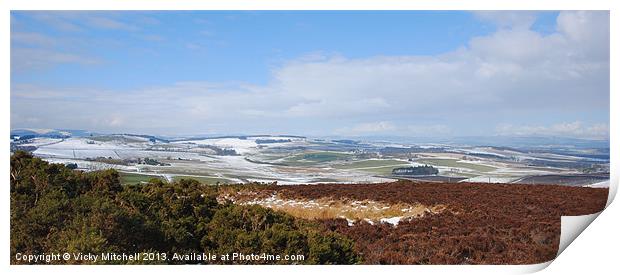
<point>287,160</point>
<point>183,159</point>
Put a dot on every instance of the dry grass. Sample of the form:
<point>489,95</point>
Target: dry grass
<point>329,208</point>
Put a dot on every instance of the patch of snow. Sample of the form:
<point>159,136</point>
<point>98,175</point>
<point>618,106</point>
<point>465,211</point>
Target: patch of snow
<point>369,221</point>
<point>42,141</point>
<point>393,220</point>
<point>481,151</point>
<point>241,146</point>
<point>491,179</point>
<point>602,184</point>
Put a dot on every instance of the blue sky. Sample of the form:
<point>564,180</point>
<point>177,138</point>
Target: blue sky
<point>312,72</point>
<point>240,46</point>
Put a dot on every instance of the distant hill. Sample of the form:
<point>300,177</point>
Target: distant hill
<point>49,132</point>
<point>65,133</point>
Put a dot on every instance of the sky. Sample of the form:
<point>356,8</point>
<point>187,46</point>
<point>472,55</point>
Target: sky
<point>313,73</point>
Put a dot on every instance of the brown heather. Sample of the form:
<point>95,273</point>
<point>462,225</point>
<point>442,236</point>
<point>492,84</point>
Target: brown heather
<point>482,224</point>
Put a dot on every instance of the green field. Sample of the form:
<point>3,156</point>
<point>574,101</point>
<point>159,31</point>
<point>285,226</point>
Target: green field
<point>371,163</point>
<point>455,163</point>
<point>376,166</point>
<point>384,170</point>
<point>131,178</point>
<point>203,180</point>
<point>315,157</point>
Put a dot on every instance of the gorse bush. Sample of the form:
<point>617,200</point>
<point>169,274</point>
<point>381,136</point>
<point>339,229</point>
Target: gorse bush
<point>55,209</point>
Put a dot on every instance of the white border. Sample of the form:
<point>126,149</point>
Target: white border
<point>598,246</point>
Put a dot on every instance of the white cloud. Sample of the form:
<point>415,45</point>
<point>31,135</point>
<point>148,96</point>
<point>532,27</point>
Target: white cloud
<point>58,20</point>
<point>32,38</point>
<point>331,108</point>
<point>368,128</point>
<point>584,26</point>
<point>510,69</point>
<point>103,22</point>
<point>514,76</point>
<point>33,50</point>
<point>79,21</point>
<point>589,30</point>
<point>428,130</point>
<point>566,129</point>
<point>31,58</point>
<point>391,128</point>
